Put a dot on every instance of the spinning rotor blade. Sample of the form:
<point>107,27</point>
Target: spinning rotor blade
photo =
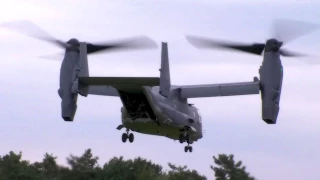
<point>287,53</point>
<point>32,30</point>
<point>141,42</point>
<point>53,57</point>
<point>311,59</point>
<point>287,30</point>
<point>201,42</point>
<point>283,31</point>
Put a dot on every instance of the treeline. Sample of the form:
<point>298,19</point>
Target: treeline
<point>86,167</point>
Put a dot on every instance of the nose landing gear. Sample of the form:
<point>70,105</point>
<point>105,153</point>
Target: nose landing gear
<point>188,148</point>
<point>126,136</point>
<point>184,137</point>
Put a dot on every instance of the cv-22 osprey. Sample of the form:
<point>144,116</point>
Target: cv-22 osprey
<point>152,105</point>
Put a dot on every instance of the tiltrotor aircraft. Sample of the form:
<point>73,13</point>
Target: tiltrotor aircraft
<point>152,105</point>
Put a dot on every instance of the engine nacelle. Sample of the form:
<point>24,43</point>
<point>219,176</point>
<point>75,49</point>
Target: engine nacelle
<point>69,105</point>
<point>271,75</point>
<point>74,65</point>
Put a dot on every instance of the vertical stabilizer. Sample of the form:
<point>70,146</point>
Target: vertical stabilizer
<point>165,83</point>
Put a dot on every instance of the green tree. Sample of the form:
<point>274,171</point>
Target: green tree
<point>139,165</point>
<point>138,169</point>
<point>12,167</point>
<point>83,163</point>
<point>183,173</point>
<point>116,169</point>
<point>84,167</point>
<point>227,169</point>
<point>48,168</point>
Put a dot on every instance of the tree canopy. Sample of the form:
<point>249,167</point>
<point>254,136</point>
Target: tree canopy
<point>86,167</point>
<point>228,169</point>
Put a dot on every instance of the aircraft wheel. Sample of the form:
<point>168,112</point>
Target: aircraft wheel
<point>186,149</point>
<point>190,148</point>
<point>131,137</point>
<point>181,138</point>
<point>124,137</point>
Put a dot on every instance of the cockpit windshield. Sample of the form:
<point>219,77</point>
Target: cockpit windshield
<point>199,114</point>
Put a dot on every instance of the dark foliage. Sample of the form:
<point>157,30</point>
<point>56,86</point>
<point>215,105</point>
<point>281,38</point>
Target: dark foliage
<point>227,169</point>
<point>86,167</point>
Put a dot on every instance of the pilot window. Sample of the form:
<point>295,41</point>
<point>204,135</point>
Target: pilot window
<point>200,120</point>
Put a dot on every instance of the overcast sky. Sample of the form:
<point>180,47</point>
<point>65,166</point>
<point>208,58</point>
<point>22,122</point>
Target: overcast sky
<point>30,106</point>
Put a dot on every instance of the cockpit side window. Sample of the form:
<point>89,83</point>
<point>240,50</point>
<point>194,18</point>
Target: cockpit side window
<point>200,119</point>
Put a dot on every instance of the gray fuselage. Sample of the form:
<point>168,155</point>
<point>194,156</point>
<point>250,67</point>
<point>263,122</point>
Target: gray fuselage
<point>141,111</point>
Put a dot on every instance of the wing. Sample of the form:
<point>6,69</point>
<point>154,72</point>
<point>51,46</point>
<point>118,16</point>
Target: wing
<point>226,89</point>
<point>103,91</point>
<point>110,86</point>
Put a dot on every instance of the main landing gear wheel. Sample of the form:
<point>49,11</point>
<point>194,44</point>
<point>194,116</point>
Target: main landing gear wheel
<point>126,136</point>
<point>131,137</point>
<point>188,148</point>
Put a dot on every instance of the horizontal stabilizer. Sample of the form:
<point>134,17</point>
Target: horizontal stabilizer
<point>116,81</point>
